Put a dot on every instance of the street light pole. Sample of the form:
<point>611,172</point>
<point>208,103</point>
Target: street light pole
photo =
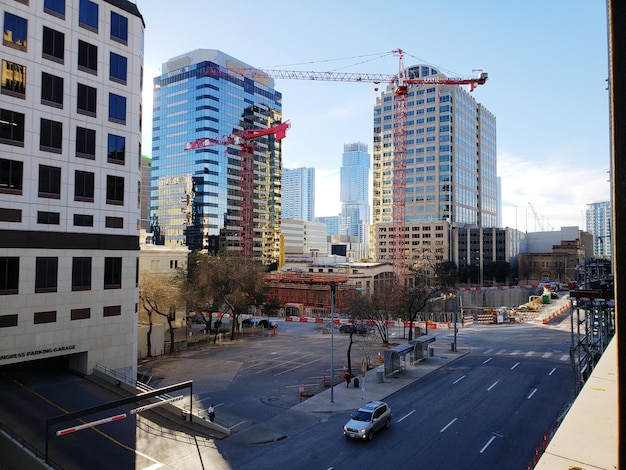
<point>456,311</point>
<point>332,342</point>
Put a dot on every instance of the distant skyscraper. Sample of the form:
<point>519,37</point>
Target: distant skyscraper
<point>298,194</point>
<point>599,225</point>
<point>196,194</point>
<point>354,184</point>
<point>450,155</point>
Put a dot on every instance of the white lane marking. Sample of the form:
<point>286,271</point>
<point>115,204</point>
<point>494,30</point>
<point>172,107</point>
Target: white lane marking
<point>515,365</point>
<point>564,357</point>
<point>531,394</point>
<point>406,415</point>
<point>458,380</point>
<point>448,425</point>
<point>488,351</point>
<point>552,371</point>
<point>493,385</point>
<point>487,445</point>
<point>529,353</point>
<point>547,355</point>
<point>502,351</point>
<point>516,352</point>
<point>487,360</point>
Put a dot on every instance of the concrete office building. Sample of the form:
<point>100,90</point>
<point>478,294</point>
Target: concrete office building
<point>196,194</point>
<point>70,173</point>
<point>354,220</point>
<point>450,155</point>
<point>298,194</point>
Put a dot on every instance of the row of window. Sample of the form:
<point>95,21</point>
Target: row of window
<point>46,274</point>
<point>52,95</point>
<point>49,184</point>
<point>12,131</point>
<point>16,28</point>
<point>7,321</point>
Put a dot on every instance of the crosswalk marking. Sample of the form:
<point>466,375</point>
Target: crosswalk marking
<point>545,355</point>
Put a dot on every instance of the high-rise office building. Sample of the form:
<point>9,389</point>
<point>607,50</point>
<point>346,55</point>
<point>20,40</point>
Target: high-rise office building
<point>70,172</point>
<point>196,194</point>
<point>450,155</point>
<point>598,223</point>
<point>354,195</point>
<point>298,199</point>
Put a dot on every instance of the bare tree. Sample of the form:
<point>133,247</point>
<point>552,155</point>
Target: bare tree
<point>225,282</point>
<point>160,295</point>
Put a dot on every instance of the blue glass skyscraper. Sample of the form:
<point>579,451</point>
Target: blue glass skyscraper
<point>196,194</point>
<point>354,195</point>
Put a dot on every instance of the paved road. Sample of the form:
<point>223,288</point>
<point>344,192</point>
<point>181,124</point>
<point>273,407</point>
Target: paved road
<point>256,384</point>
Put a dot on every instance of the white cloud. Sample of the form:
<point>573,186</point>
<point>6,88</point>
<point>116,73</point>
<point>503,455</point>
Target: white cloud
<point>558,190</point>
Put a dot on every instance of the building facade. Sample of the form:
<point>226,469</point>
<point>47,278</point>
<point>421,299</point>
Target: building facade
<point>70,176</point>
<point>304,238</point>
<point>298,194</point>
<point>598,223</point>
<point>201,95</point>
<point>354,220</point>
<point>451,171</point>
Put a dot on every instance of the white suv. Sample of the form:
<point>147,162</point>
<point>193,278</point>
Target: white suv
<point>367,420</point>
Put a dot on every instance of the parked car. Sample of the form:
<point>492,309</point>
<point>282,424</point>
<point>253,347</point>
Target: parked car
<point>196,318</point>
<point>367,420</point>
<point>358,328</point>
<point>267,323</point>
<point>247,322</point>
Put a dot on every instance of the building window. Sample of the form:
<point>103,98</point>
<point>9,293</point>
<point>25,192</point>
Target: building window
<point>11,176</point>
<point>8,320</point>
<point>46,274</point>
<point>112,311</point>
<point>86,100</point>
<point>11,128</point>
<point>115,190</point>
<point>45,317</point>
<point>9,275</point>
<point>80,314</point>
<point>119,28</point>
<point>83,186</point>
<point>117,108</point>
<point>53,47</point>
<point>51,90</point>
<point>48,218</point>
<point>55,8</point>
<point>112,273</point>
<point>51,136</point>
<point>87,57</point>
<point>88,15</point>
<point>13,79</point>
<point>83,220</point>
<point>15,31</point>
<point>49,182</point>
<point>81,274</point>
<point>114,222</point>
<point>117,68</point>
<point>85,143</point>
<point>116,151</point>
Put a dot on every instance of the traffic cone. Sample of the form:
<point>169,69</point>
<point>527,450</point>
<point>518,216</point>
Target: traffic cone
<point>380,358</point>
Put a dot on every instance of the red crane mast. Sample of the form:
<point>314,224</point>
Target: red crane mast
<point>246,152</point>
<point>401,83</point>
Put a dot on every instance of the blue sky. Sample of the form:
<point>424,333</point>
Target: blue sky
<point>546,60</point>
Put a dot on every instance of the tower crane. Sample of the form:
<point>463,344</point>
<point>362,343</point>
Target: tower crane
<point>243,139</point>
<point>401,83</point>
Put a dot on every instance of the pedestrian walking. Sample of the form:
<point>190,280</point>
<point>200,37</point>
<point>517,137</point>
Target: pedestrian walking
<point>211,412</point>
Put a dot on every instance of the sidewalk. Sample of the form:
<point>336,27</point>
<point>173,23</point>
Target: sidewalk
<point>344,398</point>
